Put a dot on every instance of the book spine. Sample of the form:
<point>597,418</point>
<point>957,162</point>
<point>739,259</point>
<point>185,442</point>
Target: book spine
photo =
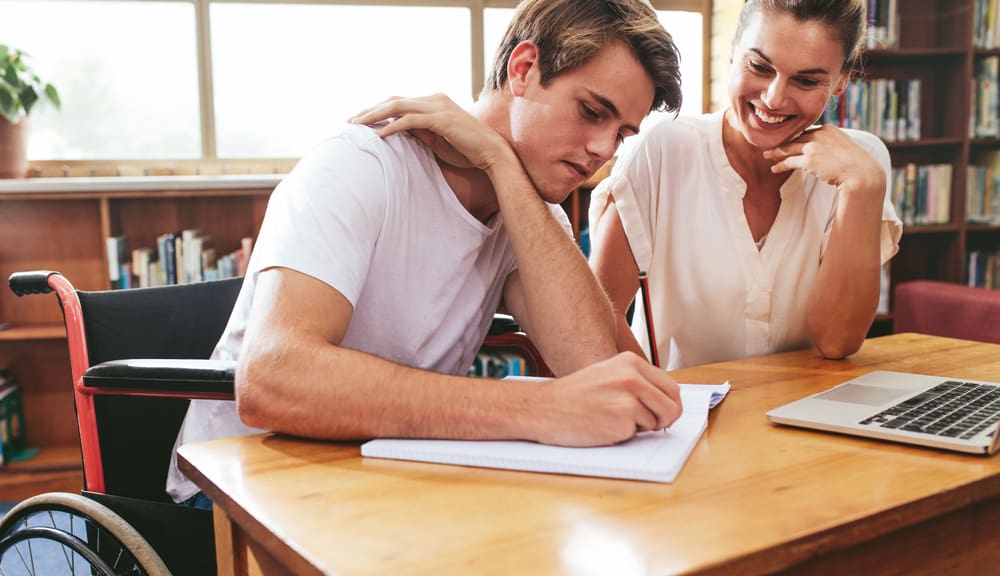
<point>119,266</point>
<point>169,260</point>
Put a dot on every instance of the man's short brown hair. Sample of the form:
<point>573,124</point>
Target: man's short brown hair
<point>568,33</point>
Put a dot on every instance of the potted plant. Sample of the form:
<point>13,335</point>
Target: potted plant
<point>20,90</point>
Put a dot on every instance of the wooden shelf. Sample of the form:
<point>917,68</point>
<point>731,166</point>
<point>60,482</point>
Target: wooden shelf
<point>62,224</point>
<point>48,459</point>
<point>923,143</point>
<point>34,332</point>
<point>982,228</point>
<point>935,47</point>
<point>917,53</point>
<point>53,468</point>
<point>931,229</point>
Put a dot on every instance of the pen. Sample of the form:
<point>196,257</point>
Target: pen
<point>654,356</point>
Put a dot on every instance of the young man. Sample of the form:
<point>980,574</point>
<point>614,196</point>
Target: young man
<point>386,251</point>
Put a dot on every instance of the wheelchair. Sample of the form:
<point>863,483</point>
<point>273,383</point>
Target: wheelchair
<point>137,358</point>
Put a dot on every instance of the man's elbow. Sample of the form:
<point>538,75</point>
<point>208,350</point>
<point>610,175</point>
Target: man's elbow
<point>255,398</point>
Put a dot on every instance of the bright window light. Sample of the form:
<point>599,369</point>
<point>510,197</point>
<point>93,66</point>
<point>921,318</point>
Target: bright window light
<point>126,73</point>
<point>286,75</point>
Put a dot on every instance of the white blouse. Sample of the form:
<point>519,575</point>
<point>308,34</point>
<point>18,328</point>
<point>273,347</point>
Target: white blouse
<point>714,295</point>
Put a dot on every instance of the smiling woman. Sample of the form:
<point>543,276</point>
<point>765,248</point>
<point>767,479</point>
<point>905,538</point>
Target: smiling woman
<point>220,79</point>
<point>802,218</point>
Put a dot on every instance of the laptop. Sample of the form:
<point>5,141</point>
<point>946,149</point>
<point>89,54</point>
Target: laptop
<point>948,413</point>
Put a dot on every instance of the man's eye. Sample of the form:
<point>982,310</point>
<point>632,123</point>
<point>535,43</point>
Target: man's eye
<point>808,82</point>
<point>757,67</point>
<point>588,112</point>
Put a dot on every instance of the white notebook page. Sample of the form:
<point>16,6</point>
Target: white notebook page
<point>654,456</point>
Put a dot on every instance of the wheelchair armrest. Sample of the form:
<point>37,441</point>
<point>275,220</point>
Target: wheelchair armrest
<point>163,375</point>
<point>502,324</point>
<point>214,376</point>
<point>505,334</point>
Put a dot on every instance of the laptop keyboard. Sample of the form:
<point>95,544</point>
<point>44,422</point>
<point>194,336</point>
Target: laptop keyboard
<point>951,409</point>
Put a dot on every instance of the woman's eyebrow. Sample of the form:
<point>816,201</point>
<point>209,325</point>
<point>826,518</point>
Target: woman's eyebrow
<point>811,71</point>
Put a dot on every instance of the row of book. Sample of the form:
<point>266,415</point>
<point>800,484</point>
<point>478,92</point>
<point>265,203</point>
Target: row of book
<point>178,258</point>
<point>921,194</point>
<point>889,109</point>
<point>986,24</point>
<point>982,195</point>
<point>495,364</point>
<point>883,24</point>
<point>984,121</point>
<point>981,268</point>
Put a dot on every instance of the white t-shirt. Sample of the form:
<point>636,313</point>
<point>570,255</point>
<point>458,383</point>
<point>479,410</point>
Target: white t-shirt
<point>375,219</point>
<point>714,295</point>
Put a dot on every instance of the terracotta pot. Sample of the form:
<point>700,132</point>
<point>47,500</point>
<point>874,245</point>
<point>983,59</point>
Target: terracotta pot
<point>13,148</point>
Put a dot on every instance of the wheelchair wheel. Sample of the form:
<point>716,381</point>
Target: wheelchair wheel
<point>59,534</point>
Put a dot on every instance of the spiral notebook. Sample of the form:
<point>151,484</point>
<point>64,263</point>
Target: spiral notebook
<point>652,456</point>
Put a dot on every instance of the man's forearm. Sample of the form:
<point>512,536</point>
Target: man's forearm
<point>323,391</point>
<point>337,393</point>
<point>570,317</point>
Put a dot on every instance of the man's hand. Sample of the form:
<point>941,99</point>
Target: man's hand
<point>454,135</point>
<point>606,403</point>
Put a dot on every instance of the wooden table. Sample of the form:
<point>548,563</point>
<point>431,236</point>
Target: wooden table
<point>753,498</point>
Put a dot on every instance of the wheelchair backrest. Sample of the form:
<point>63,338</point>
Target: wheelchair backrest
<point>181,321</point>
<point>136,434</point>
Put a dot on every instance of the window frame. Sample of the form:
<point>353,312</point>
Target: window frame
<point>209,154</point>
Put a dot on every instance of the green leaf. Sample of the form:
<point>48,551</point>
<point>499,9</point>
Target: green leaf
<point>8,108</point>
<point>11,77</point>
<point>28,99</point>
<point>20,86</point>
<point>53,95</point>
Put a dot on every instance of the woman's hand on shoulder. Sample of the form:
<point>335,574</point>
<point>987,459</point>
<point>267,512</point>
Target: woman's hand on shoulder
<point>451,132</point>
<point>831,155</point>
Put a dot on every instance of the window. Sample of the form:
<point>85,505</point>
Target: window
<point>284,74</point>
<point>224,79</point>
<point>127,73</point>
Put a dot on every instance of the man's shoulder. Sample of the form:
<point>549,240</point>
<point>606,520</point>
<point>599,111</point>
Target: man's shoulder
<point>364,138</point>
<point>356,153</point>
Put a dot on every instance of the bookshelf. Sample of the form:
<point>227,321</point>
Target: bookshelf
<point>61,224</point>
<point>934,43</point>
